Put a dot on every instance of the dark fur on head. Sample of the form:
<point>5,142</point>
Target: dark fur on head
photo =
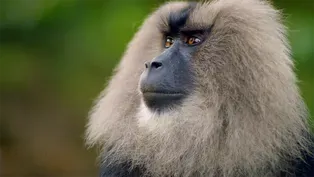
<point>245,116</point>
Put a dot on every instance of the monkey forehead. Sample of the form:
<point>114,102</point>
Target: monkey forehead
<point>164,12</point>
<point>222,12</point>
<point>203,15</point>
<point>169,7</point>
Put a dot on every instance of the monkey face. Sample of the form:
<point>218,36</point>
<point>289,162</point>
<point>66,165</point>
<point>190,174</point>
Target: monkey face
<point>169,77</point>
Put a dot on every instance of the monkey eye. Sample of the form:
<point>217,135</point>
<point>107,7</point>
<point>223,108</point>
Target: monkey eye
<point>192,40</point>
<point>168,42</point>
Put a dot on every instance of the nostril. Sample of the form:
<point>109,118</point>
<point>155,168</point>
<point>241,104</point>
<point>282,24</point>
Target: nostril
<point>156,64</point>
<point>146,65</point>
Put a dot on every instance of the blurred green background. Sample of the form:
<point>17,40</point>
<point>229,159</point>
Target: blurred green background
<point>56,56</point>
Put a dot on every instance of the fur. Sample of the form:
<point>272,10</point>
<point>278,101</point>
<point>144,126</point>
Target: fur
<point>245,116</point>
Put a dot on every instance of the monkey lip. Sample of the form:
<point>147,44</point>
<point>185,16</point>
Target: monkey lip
<point>159,100</point>
<point>162,94</point>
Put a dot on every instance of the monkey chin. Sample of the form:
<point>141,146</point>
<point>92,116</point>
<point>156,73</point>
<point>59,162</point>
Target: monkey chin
<point>161,117</point>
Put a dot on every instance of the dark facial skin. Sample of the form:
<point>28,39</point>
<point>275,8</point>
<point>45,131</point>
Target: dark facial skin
<point>168,78</point>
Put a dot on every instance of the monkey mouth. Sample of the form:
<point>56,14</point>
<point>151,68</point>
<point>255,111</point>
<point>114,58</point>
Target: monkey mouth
<point>156,95</point>
<point>162,93</point>
<point>158,100</point>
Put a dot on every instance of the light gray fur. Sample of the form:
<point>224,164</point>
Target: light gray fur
<point>245,118</point>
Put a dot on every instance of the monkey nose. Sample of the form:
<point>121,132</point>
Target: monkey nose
<point>153,65</point>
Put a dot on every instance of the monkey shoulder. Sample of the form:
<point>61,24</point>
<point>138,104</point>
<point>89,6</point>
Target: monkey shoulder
<point>120,170</point>
<point>305,166</point>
